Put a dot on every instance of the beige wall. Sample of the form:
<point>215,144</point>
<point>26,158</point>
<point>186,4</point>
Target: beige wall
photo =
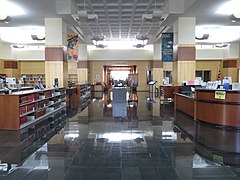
<point>12,72</point>
<point>167,66</point>
<point>56,69</point>
<point>32,67</point>
<point>72,67</point>
<point>82,75</point>
<point>96,68</point>
<point>158,76</point>
<point>212,65</point>
<point>183,71</point>
<point>1,66</point>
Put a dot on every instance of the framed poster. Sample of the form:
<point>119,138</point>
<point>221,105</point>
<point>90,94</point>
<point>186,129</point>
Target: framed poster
<point>133,80</point>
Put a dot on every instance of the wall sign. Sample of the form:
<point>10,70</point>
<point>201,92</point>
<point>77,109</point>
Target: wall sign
<point>220,94</point>
<point>167,47</point>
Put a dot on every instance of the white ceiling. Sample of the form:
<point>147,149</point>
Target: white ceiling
<point>119,19</point>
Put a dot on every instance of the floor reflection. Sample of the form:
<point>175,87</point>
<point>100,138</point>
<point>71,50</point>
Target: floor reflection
<point>148,141</point>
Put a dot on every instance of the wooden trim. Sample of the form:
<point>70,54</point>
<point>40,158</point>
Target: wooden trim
<point>229,63</point>
<point>82,64</point>
<point>186,54</point>
<point>157,64</point>
<point>10,64</point>
<point>216,111</point>
<point>56,54</point>
<point>185,104</point>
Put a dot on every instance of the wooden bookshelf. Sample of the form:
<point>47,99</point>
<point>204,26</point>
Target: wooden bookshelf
<point>73,78</point>
<point>26,108</point>
<point>82,95</point>
<point>26,141</point>
<point>33,79</point>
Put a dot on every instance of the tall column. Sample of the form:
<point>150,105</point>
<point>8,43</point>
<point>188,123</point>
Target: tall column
<point>82,65</point>
<point>157,65</point>
<point>56,67</point>
<point>184,50</point>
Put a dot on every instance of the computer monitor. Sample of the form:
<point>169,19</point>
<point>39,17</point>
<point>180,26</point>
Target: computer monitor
<point>187,90</point>
<point>152,82</point>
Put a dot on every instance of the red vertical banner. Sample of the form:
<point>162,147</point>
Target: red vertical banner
<point>72,47</point>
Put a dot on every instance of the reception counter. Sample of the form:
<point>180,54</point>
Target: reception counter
<point>206,107</point>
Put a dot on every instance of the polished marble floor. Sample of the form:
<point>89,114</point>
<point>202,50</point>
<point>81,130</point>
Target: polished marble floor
<point>143,140</point>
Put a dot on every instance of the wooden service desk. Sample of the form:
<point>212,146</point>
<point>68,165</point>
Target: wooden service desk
<point>222,112</point>
<point>205,107</point>
<point>185,104</point>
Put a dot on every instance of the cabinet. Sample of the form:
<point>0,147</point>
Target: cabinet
<point>26,108</point>
<point>33,79</point>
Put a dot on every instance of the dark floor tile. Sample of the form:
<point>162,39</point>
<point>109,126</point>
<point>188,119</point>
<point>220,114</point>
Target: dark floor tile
<point>141,146</point>
<point>93,173</point>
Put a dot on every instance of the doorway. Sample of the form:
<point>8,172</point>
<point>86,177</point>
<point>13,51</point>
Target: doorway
<point>115,75</point>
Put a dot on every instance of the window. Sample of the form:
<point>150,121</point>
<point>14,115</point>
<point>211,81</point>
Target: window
<point>205,75</point>
<point>167,75</point>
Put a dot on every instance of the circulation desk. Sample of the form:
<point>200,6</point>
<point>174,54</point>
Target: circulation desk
<point>205,107</point>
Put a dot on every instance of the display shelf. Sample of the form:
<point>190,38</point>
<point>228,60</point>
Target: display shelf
<point>33,79</point>
<point>38,120</point>
<point>22,109</point>
<point>27,140</point>
<point>82,95</point>
<point>27,113</point>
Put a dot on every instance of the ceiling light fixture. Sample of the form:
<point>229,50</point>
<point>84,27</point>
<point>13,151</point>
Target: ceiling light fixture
<point>18,46</point>
<point>156,16</point>
<point>235,18</point>
<point>36,38</point>
<point>98,41</point>
<point>5,19</point>
<point>203,37</point>
<point>83,16</point>
<point>141,40</point>
<point>221,45</point>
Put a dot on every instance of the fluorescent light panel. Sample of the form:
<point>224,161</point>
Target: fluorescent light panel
<point>230,7</point>
<point>218,34</point>
<point>21,35</point>
<point>9,9</point>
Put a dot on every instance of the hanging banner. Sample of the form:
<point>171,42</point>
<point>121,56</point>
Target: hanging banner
<point>167,47</point>
<point>72,46</point>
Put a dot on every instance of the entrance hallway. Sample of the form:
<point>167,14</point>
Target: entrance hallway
<point>150,143</point>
